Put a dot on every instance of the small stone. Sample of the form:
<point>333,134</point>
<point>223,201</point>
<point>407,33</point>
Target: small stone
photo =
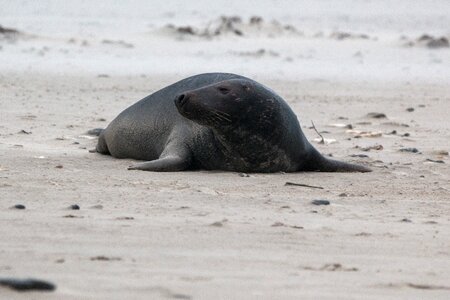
<point>278,224</point>
<point>359,155</point>
<point>124,218</point>
<point>376,115</point>
<point>74,207</point>
<point>438,161</point>
<point>297,227</point>
<point>72,216</point>
<point>59,166</point>
<point>374,147</point>
<point>19,206</point>
<point>343,195</point>
<point>320,202</point>
<point>24,132</point>
<point>438,43</point>
<point>105,258</point>
<point>405,220</point>
<point>217,224</point>
<point>412,150</point>
<point>186,30</point>
<point>410,109</point>
<point>29,284</point>
<point>243,175</point>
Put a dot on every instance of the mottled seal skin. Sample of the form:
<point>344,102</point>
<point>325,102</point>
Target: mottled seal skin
<point>215,121</point>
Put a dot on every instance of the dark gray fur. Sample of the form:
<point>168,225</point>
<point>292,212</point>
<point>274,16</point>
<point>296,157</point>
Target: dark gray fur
<point>215,121</point>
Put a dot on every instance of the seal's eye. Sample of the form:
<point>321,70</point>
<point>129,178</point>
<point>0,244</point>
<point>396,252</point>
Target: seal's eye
<point>223,90</point>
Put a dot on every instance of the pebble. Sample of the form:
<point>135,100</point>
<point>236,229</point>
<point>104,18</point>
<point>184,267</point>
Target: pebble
<point>74,207</point>
<point>320,202</point>
<point>359,155</point>
<point>19,206</point>
<point>376,115</point>
<point>412,150</point>
<point>27,284</point>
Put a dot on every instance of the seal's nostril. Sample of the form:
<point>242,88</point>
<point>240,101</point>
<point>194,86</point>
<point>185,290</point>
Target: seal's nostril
<point>181,99</point>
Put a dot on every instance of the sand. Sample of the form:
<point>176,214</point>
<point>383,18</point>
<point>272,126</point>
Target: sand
<point>225,235</point>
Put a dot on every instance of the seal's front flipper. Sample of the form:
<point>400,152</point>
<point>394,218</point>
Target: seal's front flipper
<point>165,164</point>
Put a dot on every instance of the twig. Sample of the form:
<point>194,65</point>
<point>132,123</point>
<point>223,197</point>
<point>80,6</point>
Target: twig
<point>314,127</point>
<point>304,185</point>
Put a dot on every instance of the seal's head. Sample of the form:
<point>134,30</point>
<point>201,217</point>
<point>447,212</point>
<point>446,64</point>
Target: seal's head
<point>255,127</point>
<point>231,104</point>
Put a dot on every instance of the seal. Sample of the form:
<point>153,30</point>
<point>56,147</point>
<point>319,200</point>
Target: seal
<point>215,121</point>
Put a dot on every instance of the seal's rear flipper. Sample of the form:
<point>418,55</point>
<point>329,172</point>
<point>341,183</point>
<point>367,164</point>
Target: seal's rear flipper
<point>166,164</point>
<point>320,163</point>
<point>332,165</point>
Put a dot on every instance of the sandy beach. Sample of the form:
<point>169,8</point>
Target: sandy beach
<point>65,69</point>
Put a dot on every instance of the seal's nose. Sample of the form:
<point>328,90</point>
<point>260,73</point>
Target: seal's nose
<point>181,99</point>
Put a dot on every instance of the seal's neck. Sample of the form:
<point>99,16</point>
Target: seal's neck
<point>250,151</point>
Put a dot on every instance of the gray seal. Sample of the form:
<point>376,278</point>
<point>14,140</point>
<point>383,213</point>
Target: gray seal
<point>215,121</point>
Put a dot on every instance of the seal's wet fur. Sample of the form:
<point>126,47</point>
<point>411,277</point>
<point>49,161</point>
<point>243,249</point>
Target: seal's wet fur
<point>215,121</point>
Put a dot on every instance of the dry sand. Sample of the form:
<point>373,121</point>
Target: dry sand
<point>224,235</point>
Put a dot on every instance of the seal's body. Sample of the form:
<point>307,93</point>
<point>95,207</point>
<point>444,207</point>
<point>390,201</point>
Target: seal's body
<point>215,121</point>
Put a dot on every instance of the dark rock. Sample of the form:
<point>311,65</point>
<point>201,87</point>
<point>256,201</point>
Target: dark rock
<point>438,161</point>
<point>19,206</point>
<point>359,155</point>
<point>4,30</point>
<point>320,202</point>
<point>29,284</point>
<point>186,30</point>
<point>105,258</point>
<point>412,150</point>
<point>438,43</point>
<point>74,207</point>
<point>376,115</point>
<point>278,224</point>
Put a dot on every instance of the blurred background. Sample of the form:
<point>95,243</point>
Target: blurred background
<point>347,40</point>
